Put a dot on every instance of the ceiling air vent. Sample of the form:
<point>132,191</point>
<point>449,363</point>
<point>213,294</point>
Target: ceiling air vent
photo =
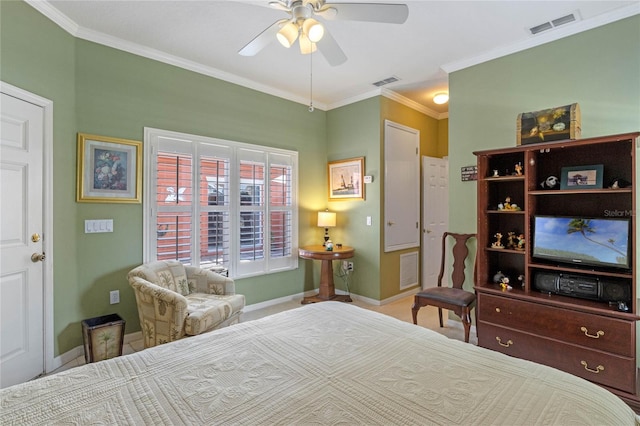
<point>385,81</point>
<point>539,28</point>
<point>572,17</point>
<point>564,20</point>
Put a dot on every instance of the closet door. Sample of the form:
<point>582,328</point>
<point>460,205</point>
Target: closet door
<point>401,187</point>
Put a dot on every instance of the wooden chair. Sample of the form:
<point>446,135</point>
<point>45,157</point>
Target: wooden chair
<point>453,298</point>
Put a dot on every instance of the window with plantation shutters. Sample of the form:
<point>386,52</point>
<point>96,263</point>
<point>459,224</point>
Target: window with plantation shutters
<point>211,202</point>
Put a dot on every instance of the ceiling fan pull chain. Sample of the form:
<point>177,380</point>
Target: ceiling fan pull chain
<point>311,82</point>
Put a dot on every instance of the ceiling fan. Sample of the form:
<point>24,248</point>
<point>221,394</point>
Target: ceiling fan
<point>302,26</point>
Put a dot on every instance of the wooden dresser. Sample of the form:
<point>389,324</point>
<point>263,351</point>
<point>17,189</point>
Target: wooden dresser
<point>590,338</point>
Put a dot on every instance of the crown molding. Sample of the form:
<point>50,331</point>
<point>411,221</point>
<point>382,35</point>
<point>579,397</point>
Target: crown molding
<point>62,20</point>
<point>390,94</point>
<point>100,38</point>
<point>545,37</point>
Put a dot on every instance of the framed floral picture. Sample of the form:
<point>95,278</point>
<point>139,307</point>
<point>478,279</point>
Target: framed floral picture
<point>109,170</point>
<point>345,179</point>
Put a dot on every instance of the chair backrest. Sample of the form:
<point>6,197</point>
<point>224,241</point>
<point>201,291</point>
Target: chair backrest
<point>169,274</point>
<point>460,253</point>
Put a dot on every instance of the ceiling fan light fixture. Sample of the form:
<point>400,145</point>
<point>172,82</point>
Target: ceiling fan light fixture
<point>306,46</point>
<point>313,29</point>
<point>287,34</point>
<point>441,98</point>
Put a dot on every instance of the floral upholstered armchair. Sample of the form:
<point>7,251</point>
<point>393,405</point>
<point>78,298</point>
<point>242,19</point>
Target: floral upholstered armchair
<point>176,300</point>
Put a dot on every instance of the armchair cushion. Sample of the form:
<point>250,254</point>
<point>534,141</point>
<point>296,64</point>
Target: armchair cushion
<point>205,311</point>
<point>175,300</point>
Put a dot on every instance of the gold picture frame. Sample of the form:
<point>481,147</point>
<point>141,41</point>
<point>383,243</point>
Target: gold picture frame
<point>109,170</point>
<point>346,179</point>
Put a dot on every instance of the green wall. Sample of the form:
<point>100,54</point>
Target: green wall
<point>353,131</point>
<point>599,69</point>
<point>104,91</point>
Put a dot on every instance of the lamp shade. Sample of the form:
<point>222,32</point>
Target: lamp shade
<point>326,219</point>
<point>288,34</point>
<point>313,29</point>
<point>306,46</point>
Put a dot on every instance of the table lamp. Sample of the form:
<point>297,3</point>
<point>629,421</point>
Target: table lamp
<point>326,220</point>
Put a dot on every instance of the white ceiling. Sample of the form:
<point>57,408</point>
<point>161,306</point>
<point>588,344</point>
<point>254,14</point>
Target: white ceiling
<point>439,37</point>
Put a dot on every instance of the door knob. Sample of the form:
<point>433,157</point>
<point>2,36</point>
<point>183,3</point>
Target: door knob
<point>35,257</point>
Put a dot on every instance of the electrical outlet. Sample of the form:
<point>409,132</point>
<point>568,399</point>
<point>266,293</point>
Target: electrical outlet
<point>350,266</point>
<point>345,265</point>
<point>114,297</point>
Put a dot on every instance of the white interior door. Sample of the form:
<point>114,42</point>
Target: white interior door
<point>21,236</point>
<point>435,216</point>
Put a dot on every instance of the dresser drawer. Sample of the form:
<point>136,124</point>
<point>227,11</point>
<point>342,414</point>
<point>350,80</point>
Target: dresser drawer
<point>599,367</point>
<point>592,331</point>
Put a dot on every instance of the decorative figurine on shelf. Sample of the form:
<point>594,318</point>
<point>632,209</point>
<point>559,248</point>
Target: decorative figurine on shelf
<point>498,242</point>
<point>518,168</point>
<point>495,173</point>
<point>507,205</point>
<point>521,279</point>
<point>617,183</point>
<point>511,240</point>
<point>329,246</point>
<point>504,284</point>
<point>550,183</point>
<point>520,244</point>
<point>497,278</point>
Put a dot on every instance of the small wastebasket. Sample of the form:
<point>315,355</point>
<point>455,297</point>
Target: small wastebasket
<point>103,337</point>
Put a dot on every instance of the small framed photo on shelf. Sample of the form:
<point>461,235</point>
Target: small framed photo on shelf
<point>581,177</point>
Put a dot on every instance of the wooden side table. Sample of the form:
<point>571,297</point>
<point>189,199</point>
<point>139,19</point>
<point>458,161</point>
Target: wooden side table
<point>327,290</point>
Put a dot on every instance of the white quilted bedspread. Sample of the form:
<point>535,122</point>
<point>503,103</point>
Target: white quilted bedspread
<point>325,364</point>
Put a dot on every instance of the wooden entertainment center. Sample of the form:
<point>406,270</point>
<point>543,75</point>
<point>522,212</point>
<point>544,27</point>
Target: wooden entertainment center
<point>593,339</point>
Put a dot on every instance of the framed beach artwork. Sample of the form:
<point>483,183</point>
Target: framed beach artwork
<point>345,179</point>
<point>581,177</point>
<point>109,170</point>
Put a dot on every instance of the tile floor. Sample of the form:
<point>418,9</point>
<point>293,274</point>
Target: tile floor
<point>400,309</point>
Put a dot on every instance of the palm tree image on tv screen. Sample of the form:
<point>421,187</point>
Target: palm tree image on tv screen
<point>587,241</point>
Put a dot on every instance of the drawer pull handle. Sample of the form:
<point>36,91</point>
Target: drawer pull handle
<point>506,345</point>
<point>598,369</point>
<point>498,310</point>
<point>598,334</point>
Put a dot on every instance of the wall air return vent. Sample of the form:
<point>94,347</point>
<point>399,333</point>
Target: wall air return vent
<point>554,23</point>
<point>386,81</point>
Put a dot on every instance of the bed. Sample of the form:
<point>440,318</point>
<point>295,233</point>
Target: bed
<point>326,363</point>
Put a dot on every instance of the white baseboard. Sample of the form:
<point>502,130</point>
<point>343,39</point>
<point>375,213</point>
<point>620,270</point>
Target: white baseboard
<point>386,301</point>
<point>78,351</point>
<point>272,302</point>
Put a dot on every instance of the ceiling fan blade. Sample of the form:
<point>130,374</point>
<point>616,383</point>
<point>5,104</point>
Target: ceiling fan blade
<point>371,12</point>
<point>262,39</point>
<point>330,50</point>
<point>279,4</point>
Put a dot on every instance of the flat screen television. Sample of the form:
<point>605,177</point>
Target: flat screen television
<point>603,242</point>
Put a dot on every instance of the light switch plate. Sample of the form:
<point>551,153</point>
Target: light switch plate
<point>98,225</point>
